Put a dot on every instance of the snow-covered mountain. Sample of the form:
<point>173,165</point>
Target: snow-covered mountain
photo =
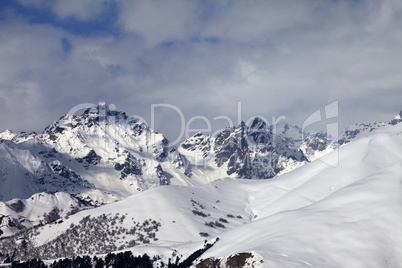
<point>314,216</point>
<point>99,157</point>
<point>104,155</point>
<point>250,152</point>
<point>316,144</point>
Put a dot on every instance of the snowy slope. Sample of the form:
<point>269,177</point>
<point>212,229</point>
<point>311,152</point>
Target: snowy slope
<point>317,144</point>
<point>24,172</point>
<point>19,214</point>
<point>348,216</point>
<point>317,215</point>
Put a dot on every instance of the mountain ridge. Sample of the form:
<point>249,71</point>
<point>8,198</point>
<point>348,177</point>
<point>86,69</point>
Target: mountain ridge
<point>103,141</point>
<point>102,162</point>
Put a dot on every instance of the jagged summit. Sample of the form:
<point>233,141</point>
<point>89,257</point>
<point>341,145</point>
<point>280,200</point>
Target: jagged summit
<point>98,116</point>
<point>102,127</point>
<point>105,154</point>
<point>7,135</point>
<point>251,152</point>
<point>258,123</point>
<point>23,136</point>
<point>397,119</point>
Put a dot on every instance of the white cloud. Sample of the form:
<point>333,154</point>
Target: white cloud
<point>252,22</point>
<point>276,57</point>
<point>159,21</point>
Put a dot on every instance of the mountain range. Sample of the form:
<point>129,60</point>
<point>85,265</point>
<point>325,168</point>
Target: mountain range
<point>105,175</point>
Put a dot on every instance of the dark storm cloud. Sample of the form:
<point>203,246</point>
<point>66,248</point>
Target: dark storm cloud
<point>275,57</point>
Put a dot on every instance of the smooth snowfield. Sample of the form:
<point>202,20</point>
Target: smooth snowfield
<point>315,216</point>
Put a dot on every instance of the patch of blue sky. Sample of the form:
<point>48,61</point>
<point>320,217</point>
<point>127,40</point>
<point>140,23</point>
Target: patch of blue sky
<point>104,24</point>
<point>65,44</point>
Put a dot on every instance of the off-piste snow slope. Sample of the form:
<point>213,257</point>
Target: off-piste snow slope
<point>343,210</point>
<point>323,216</point>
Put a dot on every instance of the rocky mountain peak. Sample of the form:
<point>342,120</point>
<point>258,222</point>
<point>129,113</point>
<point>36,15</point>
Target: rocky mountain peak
<point>101,126</point>
<point>258,123</point>
<point>397,119</point>
<point>246,151</point>
<point>96,116</point>
<point>7,135</point>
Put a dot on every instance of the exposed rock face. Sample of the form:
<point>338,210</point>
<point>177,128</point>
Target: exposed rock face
<point>209,263</point>
<point>161,175</point>
<point>397,119</point>
<point>198,142</point>
<point>90,159</point>
<point>183,164</point>
<point>254,152</point>
<point>70,176</point>
<point>234,261</point>
<point>131,166</point>
<point>238,260</point>
<point>17,207</point>
<point>315,143</point>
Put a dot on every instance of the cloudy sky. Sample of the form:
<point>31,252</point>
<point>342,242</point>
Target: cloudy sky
<point>277,58</point>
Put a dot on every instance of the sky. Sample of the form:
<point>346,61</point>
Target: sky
<point>204,60</point>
